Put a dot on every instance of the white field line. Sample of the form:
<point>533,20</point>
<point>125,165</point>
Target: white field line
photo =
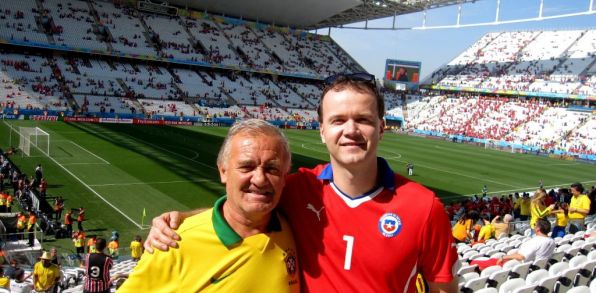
<point>66,164</point>
<point>523,189</point>
<point>173,153</point>
<point>106,162</point>
<point>432,168</point>
<point>96,193</point>
<point>149,183</point>
<point>90,189</point>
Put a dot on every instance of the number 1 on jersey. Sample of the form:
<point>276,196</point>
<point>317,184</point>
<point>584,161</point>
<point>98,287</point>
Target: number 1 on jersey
<point>349,247</point>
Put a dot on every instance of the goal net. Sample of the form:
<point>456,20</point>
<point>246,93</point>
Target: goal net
<point>33,140</point>
<point>498,145</point>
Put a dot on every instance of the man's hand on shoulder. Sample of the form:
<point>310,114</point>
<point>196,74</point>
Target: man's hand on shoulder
<point>162,235</point>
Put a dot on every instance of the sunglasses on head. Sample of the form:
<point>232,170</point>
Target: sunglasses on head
<point>357,76</point>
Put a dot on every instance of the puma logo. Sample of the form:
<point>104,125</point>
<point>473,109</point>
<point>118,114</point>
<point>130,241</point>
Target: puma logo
<point>312,208</point>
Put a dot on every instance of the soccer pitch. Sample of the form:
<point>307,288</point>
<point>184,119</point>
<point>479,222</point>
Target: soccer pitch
<point>117,171</point>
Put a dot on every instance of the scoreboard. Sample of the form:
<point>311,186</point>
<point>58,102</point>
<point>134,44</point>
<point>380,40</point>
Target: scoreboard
<point>402,75</point>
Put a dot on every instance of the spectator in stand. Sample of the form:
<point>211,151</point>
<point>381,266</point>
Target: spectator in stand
<point>19,284</point>
<point>11,271</point>
<point>55,257</point>
<point>561,219</point>
<point>537,208</point>
<point>462,229</point>
<point>78,239</point>
<point>578,208</point>
<point>97,270</point>
<point>501,228</point>
<point>4,280</point>
<point>592,197</point>
<point>45,274</point>
<point>136,248</point>
<point>539,247</point>
<point>487,231</point>
<point>114,247</point>
<point>524,207</point>
<point>92,244</point>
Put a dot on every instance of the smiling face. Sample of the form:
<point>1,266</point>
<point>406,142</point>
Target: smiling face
<point>254,173</point>
<point>350,126</point>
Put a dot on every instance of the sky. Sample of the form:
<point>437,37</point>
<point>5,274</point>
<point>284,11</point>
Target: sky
<point>436,47</point>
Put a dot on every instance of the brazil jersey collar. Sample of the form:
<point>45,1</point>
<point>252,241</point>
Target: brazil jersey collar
<point>226,234</point>
<point>387,178</point>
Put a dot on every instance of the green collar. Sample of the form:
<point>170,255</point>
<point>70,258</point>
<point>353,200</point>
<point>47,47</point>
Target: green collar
<point>225,233</point>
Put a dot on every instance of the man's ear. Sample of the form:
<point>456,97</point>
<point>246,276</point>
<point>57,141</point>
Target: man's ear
<point>223,175</point>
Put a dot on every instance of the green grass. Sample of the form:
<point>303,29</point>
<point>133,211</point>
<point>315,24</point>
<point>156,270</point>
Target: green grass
<point>123,169</point>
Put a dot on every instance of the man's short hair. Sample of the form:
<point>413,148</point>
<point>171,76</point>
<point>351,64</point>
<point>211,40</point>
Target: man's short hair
<point>100,244</point>
<point>543,226</point>
<point>342,82</point>
<point>253,128</point>
<point>578,186</point>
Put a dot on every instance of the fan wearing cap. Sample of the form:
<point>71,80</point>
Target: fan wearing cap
<point>45,274</point>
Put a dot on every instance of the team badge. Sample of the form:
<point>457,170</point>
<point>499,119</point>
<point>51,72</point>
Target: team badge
<point>389,224</point>
<point>291,262</point>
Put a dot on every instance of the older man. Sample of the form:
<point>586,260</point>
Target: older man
<point>45,274</point>
<point>241,244</point>
<point>359,227</point>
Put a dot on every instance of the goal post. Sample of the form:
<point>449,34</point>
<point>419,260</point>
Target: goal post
<point>493,144</point>
<point>33,140</point>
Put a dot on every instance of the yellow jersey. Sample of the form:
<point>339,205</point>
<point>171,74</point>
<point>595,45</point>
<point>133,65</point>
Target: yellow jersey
<point>537,213</point>
<point>460,231</point>
<point>44,277</point>
<point>486,232</point>
<point>561,219</point>
<point>4,282</point>
<point>524,207</point>
<point>212,257</point>
<point>582,201</point>
<point>136,249</point>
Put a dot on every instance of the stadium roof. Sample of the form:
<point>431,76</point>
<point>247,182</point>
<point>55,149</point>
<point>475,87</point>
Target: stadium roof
<point>313,14</point>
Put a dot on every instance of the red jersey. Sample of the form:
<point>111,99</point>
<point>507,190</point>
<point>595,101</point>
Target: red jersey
<point>377,242</point>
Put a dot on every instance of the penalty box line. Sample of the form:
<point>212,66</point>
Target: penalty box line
<point>96,193</point>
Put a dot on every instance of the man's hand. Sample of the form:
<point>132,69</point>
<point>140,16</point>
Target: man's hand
<point>162,235</point>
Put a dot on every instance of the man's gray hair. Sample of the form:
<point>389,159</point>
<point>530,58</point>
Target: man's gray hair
<point>253,128</point>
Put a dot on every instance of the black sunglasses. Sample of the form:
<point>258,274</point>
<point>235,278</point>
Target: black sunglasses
<point>357,76</point>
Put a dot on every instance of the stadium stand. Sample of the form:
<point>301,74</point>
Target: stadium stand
<point>18,24</point>
<point>125,30</point>
<point>72,24</point>
<point>212,67</point>
<point>27,82</point>
<point>535,61</point>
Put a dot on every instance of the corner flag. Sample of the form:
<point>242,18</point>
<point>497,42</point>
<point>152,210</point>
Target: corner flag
<point>143,218</point>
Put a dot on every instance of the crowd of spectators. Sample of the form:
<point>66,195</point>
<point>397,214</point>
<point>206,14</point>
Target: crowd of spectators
<point>537,61</point>
<point>499,213</point>
<point>537,123</point>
